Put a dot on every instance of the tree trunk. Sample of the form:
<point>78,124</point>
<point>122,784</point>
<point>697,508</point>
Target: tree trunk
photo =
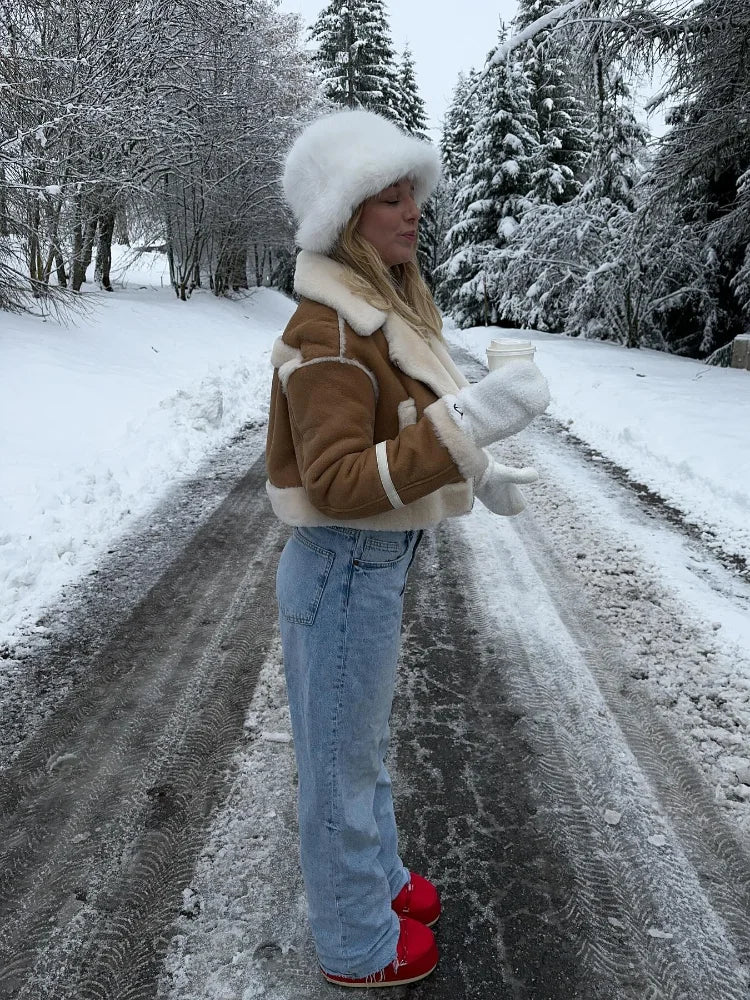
<point>77,270</point>
<point>55,257</point>
<point>36,266</point>
<point>35,263</point>
<point>351,99</point>
<point>219,277</point>
<point>62,278</point>
<point>48,264</point>
<point>104,248</point>
<point>88,244</point>
<point>170,236</point>
<point>121,226</point>
<point>238,269</point>
<point>4,220</point>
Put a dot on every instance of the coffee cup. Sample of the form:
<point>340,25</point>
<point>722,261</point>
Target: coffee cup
<point>504,352</point>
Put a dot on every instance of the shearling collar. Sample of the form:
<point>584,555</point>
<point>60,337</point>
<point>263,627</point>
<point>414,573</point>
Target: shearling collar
<point>321,279</point>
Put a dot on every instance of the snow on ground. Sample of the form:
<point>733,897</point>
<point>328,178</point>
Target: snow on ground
<point>100,416</point>
<point>679,618</point>
<point>677,426</point>
<point>244,913</point>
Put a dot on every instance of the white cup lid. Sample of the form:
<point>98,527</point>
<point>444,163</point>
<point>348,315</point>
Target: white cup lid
<point>510,344</point>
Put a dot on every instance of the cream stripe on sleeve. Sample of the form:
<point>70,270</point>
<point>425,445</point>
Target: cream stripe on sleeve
<point>385,476</point>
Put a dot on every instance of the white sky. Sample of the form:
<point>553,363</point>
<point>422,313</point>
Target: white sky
<point>445,37</point>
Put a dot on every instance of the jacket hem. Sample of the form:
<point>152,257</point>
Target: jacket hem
<point>292,506</point>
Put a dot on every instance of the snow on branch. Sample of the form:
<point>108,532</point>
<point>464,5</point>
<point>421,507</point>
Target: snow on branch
<point>546,21</point>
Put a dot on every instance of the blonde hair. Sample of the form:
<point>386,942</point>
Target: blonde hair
<point>400,289</point>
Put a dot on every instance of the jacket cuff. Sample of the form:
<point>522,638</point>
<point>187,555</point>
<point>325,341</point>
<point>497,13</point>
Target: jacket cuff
<point>470,459</point>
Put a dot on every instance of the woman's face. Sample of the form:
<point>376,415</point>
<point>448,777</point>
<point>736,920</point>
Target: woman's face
<point>390,221</point>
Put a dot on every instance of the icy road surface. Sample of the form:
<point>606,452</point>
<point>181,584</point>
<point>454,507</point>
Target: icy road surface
<point>569,737</point>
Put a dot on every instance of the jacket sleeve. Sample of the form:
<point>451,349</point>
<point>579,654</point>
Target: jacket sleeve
<point>345,472</point>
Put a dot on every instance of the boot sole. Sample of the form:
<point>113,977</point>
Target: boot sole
<point>375,985</point>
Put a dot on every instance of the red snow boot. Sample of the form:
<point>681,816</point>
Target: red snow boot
<point>416,957</point>
<point>418,899</point>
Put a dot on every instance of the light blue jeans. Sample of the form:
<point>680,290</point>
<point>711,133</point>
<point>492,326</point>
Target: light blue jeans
<point>340,594</point>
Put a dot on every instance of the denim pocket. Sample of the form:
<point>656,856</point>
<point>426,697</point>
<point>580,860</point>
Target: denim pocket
<point>384,548</point>
<point>301,579</point>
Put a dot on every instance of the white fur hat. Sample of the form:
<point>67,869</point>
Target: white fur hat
<point>343,158</point>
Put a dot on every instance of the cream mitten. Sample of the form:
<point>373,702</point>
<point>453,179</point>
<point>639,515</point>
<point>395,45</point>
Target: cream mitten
<point>498,490</point>
<point>501,404</point>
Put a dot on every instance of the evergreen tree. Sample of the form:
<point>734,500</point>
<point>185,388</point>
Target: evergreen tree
<point>574,266</point>
<point>701,173</point>
<point>618,144</point>
<point>457,126</point>
<point>413,114</point>
<point>436,220</point>
<point>562,122</point>
<point>355,57</point>
<point>653,250</point>
<point>492,193</point>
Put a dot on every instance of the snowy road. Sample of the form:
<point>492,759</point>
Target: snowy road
<point>104,809</point>
<point>548,770</point>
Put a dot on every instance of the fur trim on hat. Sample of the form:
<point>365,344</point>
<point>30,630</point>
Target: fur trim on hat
<point>343,158</point>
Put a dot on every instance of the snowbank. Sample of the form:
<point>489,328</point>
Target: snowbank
<point>99,418</point>
<point>674,424</point>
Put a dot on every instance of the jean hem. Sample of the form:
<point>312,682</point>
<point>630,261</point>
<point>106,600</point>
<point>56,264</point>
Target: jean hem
<point>404,880</point>
<point>375,965</point>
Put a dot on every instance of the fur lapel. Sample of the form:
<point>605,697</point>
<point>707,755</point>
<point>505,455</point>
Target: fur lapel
<point>319,278</point>
<point>413,355</point>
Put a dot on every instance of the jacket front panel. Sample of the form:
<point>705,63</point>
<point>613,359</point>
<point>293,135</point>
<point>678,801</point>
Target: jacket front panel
<point>353,437</point>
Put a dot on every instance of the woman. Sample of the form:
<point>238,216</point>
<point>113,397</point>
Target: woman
<point>373,436</point>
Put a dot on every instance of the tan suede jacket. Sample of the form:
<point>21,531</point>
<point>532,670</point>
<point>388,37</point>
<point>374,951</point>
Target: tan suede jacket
<point>357,434</point>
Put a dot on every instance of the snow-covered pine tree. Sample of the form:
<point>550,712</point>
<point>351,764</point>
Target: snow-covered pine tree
<point>355,56</point>
<point>565,133</point>
<point>413,113</point>
<point>457,125</point>
<point>573,266</point>
<point>434,225</point>
<point>619,141</point>
<point>675,271</point>
<point>740,283</point>
<point>491,195</point>
<point>702,172</point>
